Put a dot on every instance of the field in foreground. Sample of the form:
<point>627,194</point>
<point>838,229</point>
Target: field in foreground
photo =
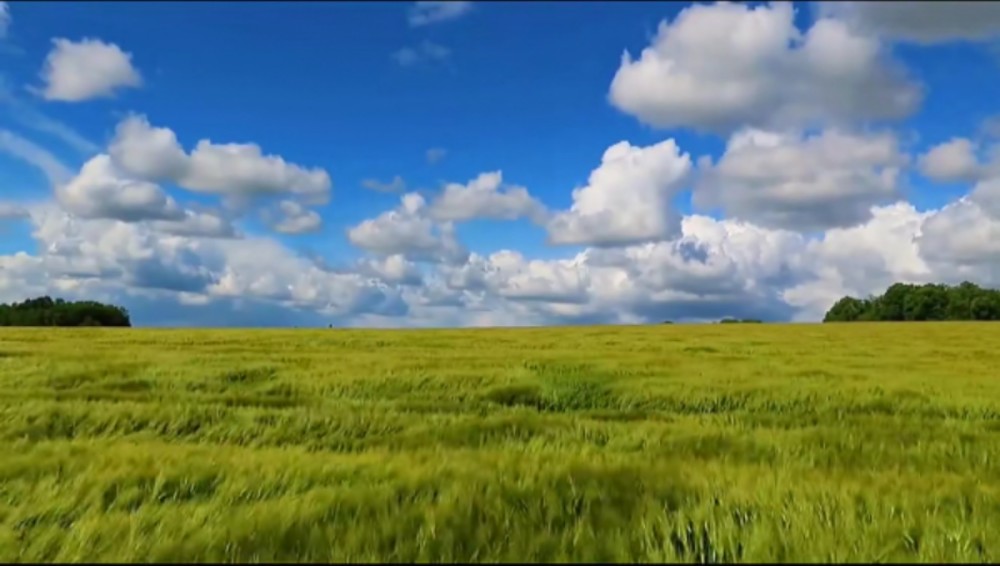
<point>692,443</point>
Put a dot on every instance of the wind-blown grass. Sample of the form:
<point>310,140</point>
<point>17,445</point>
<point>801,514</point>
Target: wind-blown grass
<point>670,443</point>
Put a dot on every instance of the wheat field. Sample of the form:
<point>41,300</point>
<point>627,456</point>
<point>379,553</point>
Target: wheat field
<point>693,443</point>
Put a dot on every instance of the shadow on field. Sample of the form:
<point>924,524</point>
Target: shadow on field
<point>6,354</point>
<point>249,376</point>
<point>560,389</point>
<point>93,378</point>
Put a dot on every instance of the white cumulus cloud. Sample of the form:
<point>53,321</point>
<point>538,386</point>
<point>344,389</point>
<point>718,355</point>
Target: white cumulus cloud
<point>728,66</point>
<point>97,258</point>
<point>89,68</point>
<point>626,199</point>
<point>293,218</point>
<point>393,269</point>
<point>100,190</point>
<point>953,161</point>
<point>231,169</point>
<point>410,232</point>
<point>486,197</point>
<point>922,22</point>
<point>809,183</point>
<point>962,242</point>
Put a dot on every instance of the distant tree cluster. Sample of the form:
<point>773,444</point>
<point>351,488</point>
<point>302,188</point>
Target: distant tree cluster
<point>45,311</point>
<point>902,301</point>
<point>729,321</point>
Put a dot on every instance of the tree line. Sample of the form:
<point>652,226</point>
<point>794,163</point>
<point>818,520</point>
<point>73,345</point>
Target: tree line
<point>45,311</point>
<point>903,301</point>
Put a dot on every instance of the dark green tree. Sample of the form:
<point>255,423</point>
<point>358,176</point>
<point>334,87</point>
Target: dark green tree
<point>44,311</point>
<point>903,301</point>
<point>985,307</point>
<point>960,301</point>
<point>847,309</point>
<point>928,302</point>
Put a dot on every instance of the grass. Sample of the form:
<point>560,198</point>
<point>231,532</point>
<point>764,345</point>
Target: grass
<point>858,442</point>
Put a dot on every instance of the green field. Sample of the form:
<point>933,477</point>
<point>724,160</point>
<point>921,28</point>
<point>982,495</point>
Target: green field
<point>701,443</point>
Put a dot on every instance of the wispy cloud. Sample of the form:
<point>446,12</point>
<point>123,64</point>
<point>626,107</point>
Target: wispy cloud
<point>436,154</point>
<point>397,185</point>
<point>29,117</point>
<point>425,51</point>
<point>35,120</point>
<point>991,127</point>
<point>4,19</point>
<point>432,12</point>
<point>9,211</point>
<point>28,151</point>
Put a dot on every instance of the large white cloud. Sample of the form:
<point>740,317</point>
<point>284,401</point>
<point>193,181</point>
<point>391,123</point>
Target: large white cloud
<point>410,232</point>
<point>860,260</point>
<point>265,269</point>
<point>86,69</point>
<point>232,169</point>
<point>958,242</point>
<point>78,256</point>
<point>718,268</point>
<point>986,194</point>
<point>713,269</point>
<point>922,22</point>
<point>485,197</point>
<point>962,241</point>
<point>953,161</point>
<point>626,199</point>
<point>197,224</point>
<point>393,269</point>
<point>510,275</point>
<point>101,191</point>
<point>805,183</point>
<point>293,218</point>
<point>727,66</point>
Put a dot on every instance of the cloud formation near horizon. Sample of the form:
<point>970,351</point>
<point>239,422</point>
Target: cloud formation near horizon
<point>810,197</point>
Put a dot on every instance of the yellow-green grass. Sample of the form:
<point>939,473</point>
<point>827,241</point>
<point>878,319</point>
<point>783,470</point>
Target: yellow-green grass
<point>707,443</point>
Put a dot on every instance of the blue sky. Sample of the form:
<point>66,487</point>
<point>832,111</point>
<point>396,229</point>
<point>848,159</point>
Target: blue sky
<point>537,91</point>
